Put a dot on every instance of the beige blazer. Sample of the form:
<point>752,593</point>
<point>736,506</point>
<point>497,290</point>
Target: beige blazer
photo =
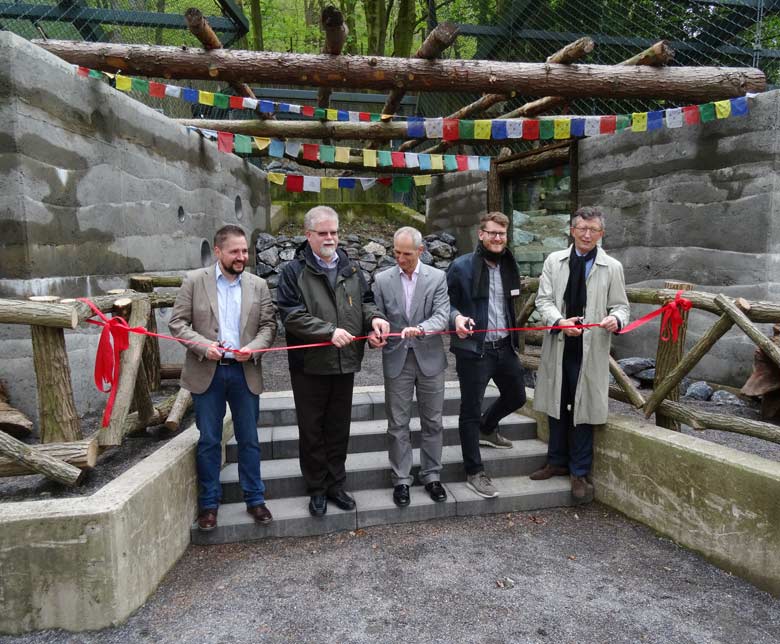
<point>195,317</point>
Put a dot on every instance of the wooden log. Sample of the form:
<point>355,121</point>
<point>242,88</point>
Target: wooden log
<point>170,371</point>
<point>697,84</point>
<point>537,160</point>
<point>151,355</point>
<point>130,362</point>
<point>201,29</point>
<point>624,382</point>
<point>521,318</point>
<point>32,459</point>
<point>81,454</point>
<point>741,320</point>
<point>12,421</point>
<point>691,359</point>
<point>53,314</point>
<point>759,311</point>
<point>134,424</point>
<point>668,355</point>
<point>179,409</point>
<point>58,420</point>
<point>336,32</point>
<point>334,130</point>
<point>700,420</point>
<point>166,280</point>
<point>494,197</point>
<point>107,303</point>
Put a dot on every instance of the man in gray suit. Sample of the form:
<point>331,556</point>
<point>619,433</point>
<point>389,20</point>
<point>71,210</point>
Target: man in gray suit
<point>225,314</point>
<point>414,299</point>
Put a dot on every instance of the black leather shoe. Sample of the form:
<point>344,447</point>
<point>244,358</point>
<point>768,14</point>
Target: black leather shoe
<point>318,505</point>
<point>342,499</point>
<point>401,495</point>
<point>436,491</point>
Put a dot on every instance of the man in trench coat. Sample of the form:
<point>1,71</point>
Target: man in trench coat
<point>579,285</point>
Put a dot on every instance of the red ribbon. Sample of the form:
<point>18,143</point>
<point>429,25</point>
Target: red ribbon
<point>115,338</point>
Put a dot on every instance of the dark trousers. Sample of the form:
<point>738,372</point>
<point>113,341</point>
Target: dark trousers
<point>324,408</point>
<point>474,373</point>
<point>570,445</point>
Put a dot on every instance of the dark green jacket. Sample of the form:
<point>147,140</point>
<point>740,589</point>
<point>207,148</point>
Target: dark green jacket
<point>312,310</point>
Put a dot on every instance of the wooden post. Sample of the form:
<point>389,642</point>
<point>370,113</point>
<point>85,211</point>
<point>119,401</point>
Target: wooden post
<point>632,393</point>
<point>493,187</point>
<point>668,356</point>
<point>81,454</point>
<point>336,32</point>
<point>133,423</point>
<point>57,417</point>
<point>151,355</point>
<point>12,421</point>
<point>521,317</point>
<point>180,407</point>
<point>30,458</point>
<point>142,400</point>
<point>130,362</point>
<point>741,320</point>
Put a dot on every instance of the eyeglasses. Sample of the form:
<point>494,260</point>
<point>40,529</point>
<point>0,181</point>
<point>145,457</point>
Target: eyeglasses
<point>588,229</point>
<point>324,233</point>
<point>498,234</point>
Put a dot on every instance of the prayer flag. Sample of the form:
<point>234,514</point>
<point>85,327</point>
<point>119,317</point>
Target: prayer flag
<point>236,102</point>
<point>140,85</point>
<point>307,110</point>
<point>364,116</point>
<point>369,158</point>
<point>498,129</point>
<point>514,128</point>
<point>473,162</point>
<point>276,177</point>
<point>222,101</point>
<point>329,183</point>
<point>157,90</point>
<point>723,109</point>
<point>292,148</point>
<point>562,129</point>
<point>655,120</point>
<point>83,71</point>
<point>189,95</point>
<point>674,117</point>
<point>320,113</point>
<point>295,109</point>
<point>639,122</point>
<point>530,129</point>
<point>348,183</point>
<point>311,184</point>
<point>354,117</point>
<point>466,129</point>
<point>482,129</point>
<point>327,153</point>
<point>277,148</point>
<point>462,162</point>
<point>225,141</point>
<point>433,128</point>
<point>331,114</point>
<point>484,164</point>
<point>249,103</point>
<point>450,130</point>
<point>342,155</point>
<point>205,98</point>
<point>622,121</point>
<point>342,115</point>
<point>422,179</point>
<point>402,184</point>
<point>242,144</point>
<point>577,127</point>
<point>739,106</point>
<point>608,124</point>
<point>546,129</point>
<point>367,183</point>
<point>294,183</point>
<point>174,91</point>
<point>283,107</point>
<point>385,158</point>
<point>437,163</point>
<point>691,114</point>
<point>450,163</point>
<point>707,112</point>
<point>310,151</point>
<point>123,83</point>
<point>425,161</point>
<point>266,107</point>
<point>374,118</point>
<point>398,159</point>
<point>385,181</point>
<point>262,142</point>
<point>415,129</point>
<point>592,126</point>
<point>411,160</point>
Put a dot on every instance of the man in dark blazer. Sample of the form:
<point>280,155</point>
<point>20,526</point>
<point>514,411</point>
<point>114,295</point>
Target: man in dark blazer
<point>414,299</point>
<point>226,314</point>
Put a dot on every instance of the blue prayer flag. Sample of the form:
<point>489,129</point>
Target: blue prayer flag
<point>655,120</point>
<point>347,182</point>
<point>578,127</point>
<point>484,164</point>
<point>425,161</point>
<point>739,106</point>
<point>415,129</point>
<point>342,115</point>
<point>277,148</point>
<point>284,107</point>
<point>498,129</point>
<point>266,106</point>
<point>189,95</point>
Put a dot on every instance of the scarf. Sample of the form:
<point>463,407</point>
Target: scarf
<point>575,296</point>
<point>510,276</point>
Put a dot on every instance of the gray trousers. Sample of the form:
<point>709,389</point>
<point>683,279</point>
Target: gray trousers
<point>398,405</point>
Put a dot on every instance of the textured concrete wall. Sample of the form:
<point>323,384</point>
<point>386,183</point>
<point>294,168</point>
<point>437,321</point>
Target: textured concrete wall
<point>694,204</point>
<point>455,202</point>
<point>95,186</point>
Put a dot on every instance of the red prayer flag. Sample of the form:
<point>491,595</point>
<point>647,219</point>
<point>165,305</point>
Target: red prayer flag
<point>691,114</point>
<point>385,181</point>
<point>531,129</point>
<point>225,141</point>
<point>450,130</point>
<point>236,102</point>
<point>310,151</point>
<point>398,159</point>
<point>463,161</point>
<point>307,110</point>
<point>82,71</point>
<point>364,116</point>
<point>294,183</point>
<point>608,124</point>
<point>156,89</point>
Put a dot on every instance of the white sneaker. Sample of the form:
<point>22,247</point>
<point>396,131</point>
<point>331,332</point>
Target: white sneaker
<point>481,484</point>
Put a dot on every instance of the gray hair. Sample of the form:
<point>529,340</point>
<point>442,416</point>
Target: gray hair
<point>408,231</point>
<point>317,214</point>
<point>588,213</point>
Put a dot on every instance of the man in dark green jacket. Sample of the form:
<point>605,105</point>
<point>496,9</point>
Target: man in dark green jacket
<point>323,297</point>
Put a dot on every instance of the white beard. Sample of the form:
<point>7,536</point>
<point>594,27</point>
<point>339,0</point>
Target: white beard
<point>326,252</point>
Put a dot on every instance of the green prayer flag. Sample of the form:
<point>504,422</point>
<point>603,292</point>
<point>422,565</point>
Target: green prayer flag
<point>707,112</point>
<point>546,129</point>
<point>385,158</point>
<point>622,122</point>
<point>327,153</point>
<point>320,113</point>
<point>450,162</point>
<point>466,129</point>
<point>241,143</point>
<point>375,118</point>
<point>222,101</point>
<point>402,184</point>
<point>140,85</point>
<point>94,73</point>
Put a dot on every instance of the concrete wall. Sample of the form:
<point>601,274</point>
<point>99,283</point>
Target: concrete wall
<point>694,204</point>
<point>95,186</point>
<point>455,202</point>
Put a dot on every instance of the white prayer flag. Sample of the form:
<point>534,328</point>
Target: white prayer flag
<point>674,117</point>
<point>292,148</point>
<point>514,128</point>
<point>473,163</point>
<point>354,117</point>
<point>250,103</point>
<point>367,183</point>
<point>311,184</point>
<point>592,125</point>
<point>434,128</point>
<point>173,91</point>
<point>411,160</point>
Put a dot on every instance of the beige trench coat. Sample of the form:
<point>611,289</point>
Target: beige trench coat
<point>606,296</point>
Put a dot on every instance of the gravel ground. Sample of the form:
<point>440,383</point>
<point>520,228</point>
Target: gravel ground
<point>580,575</point>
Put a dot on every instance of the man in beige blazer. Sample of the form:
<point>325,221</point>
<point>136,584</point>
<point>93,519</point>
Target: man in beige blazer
<point>223,314</point>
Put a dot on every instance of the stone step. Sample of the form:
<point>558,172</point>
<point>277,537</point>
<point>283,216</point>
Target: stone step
<point>277,409</point>
<point>367,470</point>
<point>371,436</point>
<point>375,507</point>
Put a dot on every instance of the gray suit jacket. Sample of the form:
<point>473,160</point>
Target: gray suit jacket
<point>195,317</point>
<point>430,309</point>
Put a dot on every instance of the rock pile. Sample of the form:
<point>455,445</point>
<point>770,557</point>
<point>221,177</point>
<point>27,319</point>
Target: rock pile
<point>373,254</point>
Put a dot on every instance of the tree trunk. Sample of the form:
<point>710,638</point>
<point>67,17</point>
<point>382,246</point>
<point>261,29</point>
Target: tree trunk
<point>81,454</point>
<point>349,10</point>
<point>31,458</point>
<point>179,409</point>
<point>375,24</point>
<point>151,356</point>
<point>336,32</point>
<point>335,130</point>
<point>133,424</point>
<point>403,33</point>
<point>47,313</point>
<point>698,84</point>
<point>256,20</point>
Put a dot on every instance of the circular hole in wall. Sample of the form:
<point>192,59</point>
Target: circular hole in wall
<point>239,208</point>
<point>205,253</point>
<point>180,214</point>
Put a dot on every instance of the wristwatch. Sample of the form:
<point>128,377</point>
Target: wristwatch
<point>420,329</point>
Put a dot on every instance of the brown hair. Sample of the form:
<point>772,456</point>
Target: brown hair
<point>227,231</point>
<point>496,217</point>
<point>588,213</point>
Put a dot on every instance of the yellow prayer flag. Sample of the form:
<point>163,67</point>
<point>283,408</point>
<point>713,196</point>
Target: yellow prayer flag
<point>639,122</point>
<point>723,109</point>
<point>123,83</point>
<point>437,162</point>
<point>205,98</point>
<point>342,155</point>
<point>482,129</point>
<point>329,183</point>
<point>276,177</point>
<point>369,158</point>
<point>422,179</point>
<point>331,115</point>
<point>562,129</point>
<point>261,142</point>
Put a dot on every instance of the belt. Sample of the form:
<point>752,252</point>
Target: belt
<point>226,362</point>
<point>497,344</point>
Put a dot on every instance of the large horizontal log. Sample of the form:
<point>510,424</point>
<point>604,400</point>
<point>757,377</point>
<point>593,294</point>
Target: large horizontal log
<point>53,314</point>
<point>170,371</point>
<point>536,160</point>
<point>107,303</point>
<point>696,84</point>
<point>335,130</point>
<point>81,454</point>
<point>30,457</point>
<point>12,421</point>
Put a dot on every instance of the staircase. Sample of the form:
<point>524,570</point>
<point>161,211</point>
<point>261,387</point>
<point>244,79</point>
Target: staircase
<point>368,474</point>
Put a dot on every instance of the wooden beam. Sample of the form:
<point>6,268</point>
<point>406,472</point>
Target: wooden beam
<point>52,314</point>
<point>741,320</point>
<point>631,392</point>
<point>336,32</point>
<point>151,357</point>
<point>697,84</point>
<point>536,160</point>
<point>180,406</point>
<point>30,458</point>
<point>81,454</point>
<point>12,421</point>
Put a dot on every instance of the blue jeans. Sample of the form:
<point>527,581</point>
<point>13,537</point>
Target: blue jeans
<point>474,373</point>
<point>228,386</point>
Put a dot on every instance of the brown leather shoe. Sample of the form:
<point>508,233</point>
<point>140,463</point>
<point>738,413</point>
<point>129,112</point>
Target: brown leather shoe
<point>261,514</point>
<point>581,490</point>
<point>207,520</point>
<point>549,471</point>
